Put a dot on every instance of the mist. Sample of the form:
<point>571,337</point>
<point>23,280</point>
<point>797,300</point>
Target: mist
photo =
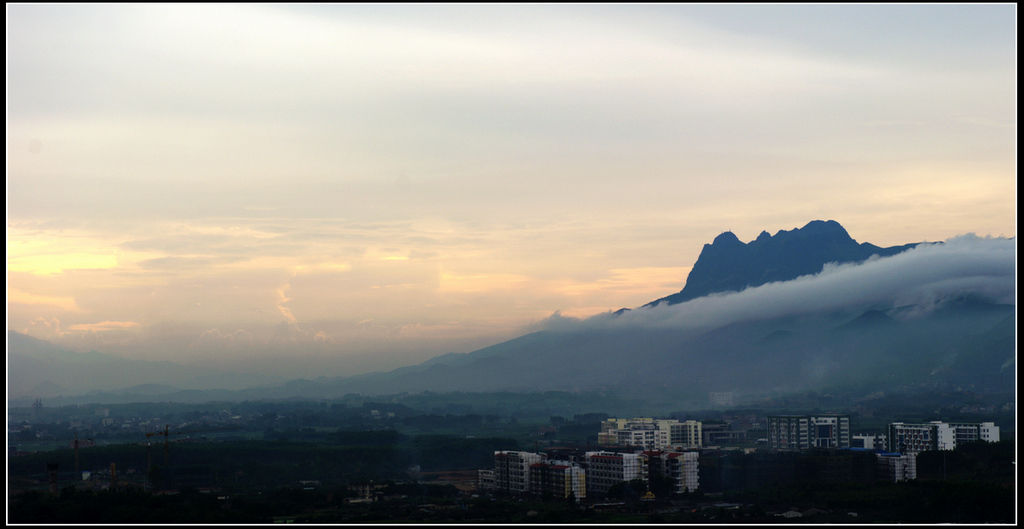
<point>922,278</point>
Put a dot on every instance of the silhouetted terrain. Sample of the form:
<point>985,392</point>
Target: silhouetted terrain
<point>728,265</point>
<point>778,314</point>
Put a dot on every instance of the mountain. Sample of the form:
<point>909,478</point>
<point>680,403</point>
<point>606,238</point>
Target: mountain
<point>934,315</point>
<point>37,368</point>
<point>728,265</point>
<point>763,317</point>
<point>745,357</point>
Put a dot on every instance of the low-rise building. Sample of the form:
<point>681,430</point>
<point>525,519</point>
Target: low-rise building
<point>869,441</point>
<point>910,438</point>
<point>718,434</point>
<point>897,467</point>
<point>650,434</point>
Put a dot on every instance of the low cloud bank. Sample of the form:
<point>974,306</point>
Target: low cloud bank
<point>923,277</point>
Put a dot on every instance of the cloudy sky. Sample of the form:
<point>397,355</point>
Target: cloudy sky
<point>332,189</point>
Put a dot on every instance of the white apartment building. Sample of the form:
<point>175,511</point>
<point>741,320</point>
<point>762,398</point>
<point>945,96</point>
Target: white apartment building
<point>968,432</point>
<point>907,438</point>
<point>512,470</point>
<point>681,468</point>
<point>869,441</point>
<point>687,434</point>
<point>605,469</point>
<point>897,467</point>
<point>650,434</point>
<point>802,432</point>
<point>558,479</point>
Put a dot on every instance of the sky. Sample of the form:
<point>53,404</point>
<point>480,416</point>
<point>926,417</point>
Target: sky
<point>336,189</point>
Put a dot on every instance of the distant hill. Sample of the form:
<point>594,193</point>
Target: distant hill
<point>728,265</point>
<point>745,357</point>
<point>40,369</point>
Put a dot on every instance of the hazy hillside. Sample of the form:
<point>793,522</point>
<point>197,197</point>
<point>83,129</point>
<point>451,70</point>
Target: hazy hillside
<point>744,357</point>
<point>40,369</point>
<point>939,314</point>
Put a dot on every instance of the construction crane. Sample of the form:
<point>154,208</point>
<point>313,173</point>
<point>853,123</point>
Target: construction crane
<point>167,435</point>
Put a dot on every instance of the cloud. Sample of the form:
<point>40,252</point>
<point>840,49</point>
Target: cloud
<point>289,333</point>
<point>281,300</point>
<point>104,326</point>
<point>46,329</point>
<point>924,277</point>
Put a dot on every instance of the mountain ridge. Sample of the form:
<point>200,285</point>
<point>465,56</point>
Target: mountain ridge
<point>729,265</point>
<point>758,341</point>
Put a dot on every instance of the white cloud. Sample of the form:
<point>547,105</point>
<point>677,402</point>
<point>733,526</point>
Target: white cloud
<point>925,277</point>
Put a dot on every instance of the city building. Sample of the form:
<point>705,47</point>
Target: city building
<point>915,438</point>
<point>486,480</point>
<point>907,438</point>
<point>869,441</point>
<point>650,434</point>
<point>968,432</point>
<point>512,470</point>
<point>605,469</point>
<point>897,467</point>
<point>803,432</point>
<point>718,434</point>
<point>687,434</point>
<point>720,398</point>
<point>680,467</point>
<point>558,479</point>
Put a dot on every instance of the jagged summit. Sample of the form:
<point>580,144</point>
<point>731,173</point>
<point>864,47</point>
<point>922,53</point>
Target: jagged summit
<point>729,265</point>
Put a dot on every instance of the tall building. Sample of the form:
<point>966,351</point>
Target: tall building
<point>605,469</point>
<point>512,470</point>
<point>915,438</point>
<point>558,479</point>
<point>686,435</point>
<point>802,432</point>
<point>680,467</point>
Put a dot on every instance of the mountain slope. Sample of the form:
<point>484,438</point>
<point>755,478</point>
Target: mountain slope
<point>745,357</point>
<point>902,319</point>
<point>37,368</point>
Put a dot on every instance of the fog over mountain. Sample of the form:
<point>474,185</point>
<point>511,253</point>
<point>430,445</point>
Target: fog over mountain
<point>920,280</point>
<point>906,319</point>
<point>926,314</point>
